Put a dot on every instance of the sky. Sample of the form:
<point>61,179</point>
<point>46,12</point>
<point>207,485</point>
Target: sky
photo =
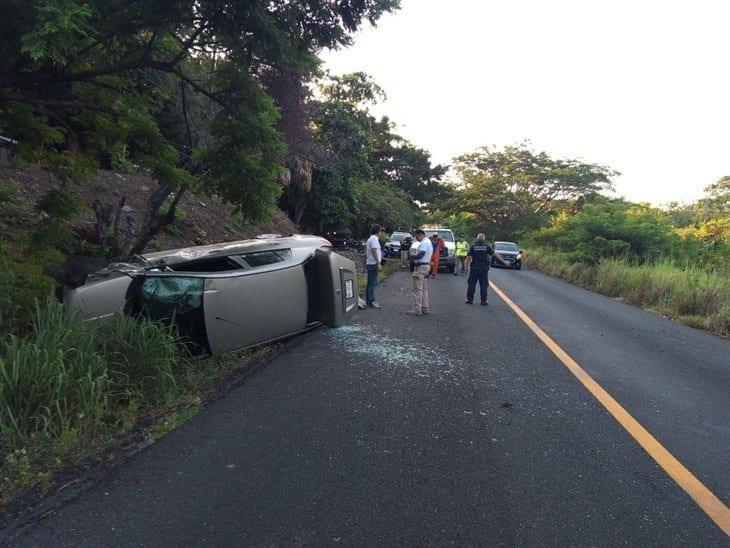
<point>641,86</point>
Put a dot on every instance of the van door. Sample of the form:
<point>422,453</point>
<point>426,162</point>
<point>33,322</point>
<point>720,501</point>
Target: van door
<point>337,287</point>
<point>246,309</point>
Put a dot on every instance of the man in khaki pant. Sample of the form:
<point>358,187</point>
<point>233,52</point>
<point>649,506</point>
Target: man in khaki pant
<point>421,260</point>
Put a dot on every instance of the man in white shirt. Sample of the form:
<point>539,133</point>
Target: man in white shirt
<point>422,261</point>
<point>373,265</point>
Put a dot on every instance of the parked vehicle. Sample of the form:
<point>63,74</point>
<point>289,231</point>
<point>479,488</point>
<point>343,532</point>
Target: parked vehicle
<point>448,253</point>
<point>357,245</point>
<point>510,253</point>
<point>392,247</point>
<point>231,295</point>
<point>339,240</point>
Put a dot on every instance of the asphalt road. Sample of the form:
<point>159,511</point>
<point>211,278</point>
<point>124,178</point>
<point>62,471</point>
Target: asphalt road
<point>456,428</point>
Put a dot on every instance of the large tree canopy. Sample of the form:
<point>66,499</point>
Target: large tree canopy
<point>514,190</point>
<point>175,87</point>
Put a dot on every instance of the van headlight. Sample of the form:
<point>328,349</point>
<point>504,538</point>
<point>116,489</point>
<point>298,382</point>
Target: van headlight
<point>519,256</point>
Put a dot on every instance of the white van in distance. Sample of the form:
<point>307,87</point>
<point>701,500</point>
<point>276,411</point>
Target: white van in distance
<point>448,253</point>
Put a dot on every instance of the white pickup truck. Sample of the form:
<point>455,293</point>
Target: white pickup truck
<point>448,253</point>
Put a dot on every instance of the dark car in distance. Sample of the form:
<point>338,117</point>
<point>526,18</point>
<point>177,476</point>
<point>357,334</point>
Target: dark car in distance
<point>510,253</point>
<point>392,247</point>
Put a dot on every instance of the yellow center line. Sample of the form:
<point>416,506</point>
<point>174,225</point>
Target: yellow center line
<point>705,499</point>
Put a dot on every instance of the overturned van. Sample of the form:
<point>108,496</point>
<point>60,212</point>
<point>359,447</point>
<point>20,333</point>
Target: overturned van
<point>232,295</point>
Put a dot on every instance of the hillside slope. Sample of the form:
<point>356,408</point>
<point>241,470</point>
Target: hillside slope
<point>201,219</point>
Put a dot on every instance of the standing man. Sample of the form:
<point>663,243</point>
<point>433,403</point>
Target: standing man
<point>421,266</point>
<point>373,265</point>
<point>462,248</point>
<point>437,245</point>
<point>478,260</point>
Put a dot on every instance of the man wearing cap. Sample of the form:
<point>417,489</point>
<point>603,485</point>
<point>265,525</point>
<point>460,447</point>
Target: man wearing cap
<point>421,266</point>
<point>477,262</point>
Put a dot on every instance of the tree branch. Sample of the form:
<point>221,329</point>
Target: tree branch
<point>139,63</point>
<point>212,95</point>
<point>58,103</point>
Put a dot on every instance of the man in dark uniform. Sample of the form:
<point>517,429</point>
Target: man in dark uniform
<point>477,261</point>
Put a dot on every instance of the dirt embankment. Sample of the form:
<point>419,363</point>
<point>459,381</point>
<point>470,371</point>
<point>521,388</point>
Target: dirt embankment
<point>201,219</point>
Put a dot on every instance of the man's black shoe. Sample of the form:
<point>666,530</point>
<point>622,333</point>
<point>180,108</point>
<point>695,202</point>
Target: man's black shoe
<point>485,303</point>
<point>468,302</point>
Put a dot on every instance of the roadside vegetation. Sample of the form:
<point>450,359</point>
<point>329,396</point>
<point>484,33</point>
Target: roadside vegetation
<point>674,260</point>
<point>692,295</point>
<point>70,392</point>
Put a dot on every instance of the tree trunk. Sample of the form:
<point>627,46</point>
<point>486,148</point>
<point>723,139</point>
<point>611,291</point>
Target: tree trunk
<point>114,228</point>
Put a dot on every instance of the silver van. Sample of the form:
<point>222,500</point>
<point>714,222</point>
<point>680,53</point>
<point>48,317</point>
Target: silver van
<point>231,295</point>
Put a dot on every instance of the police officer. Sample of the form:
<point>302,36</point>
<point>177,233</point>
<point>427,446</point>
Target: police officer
<point>477,261</point>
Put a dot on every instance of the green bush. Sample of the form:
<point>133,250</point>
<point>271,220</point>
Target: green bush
<point>609,228</point>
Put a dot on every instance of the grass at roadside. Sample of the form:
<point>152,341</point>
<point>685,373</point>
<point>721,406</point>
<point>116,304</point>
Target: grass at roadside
<point>69,392</point>
<point>693,296</point>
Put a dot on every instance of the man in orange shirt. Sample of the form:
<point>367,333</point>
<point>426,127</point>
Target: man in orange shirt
<point>438,245</point>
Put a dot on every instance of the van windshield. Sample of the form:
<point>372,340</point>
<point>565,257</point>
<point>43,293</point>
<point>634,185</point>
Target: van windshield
<point>505,246</point>
<point>445,235</point>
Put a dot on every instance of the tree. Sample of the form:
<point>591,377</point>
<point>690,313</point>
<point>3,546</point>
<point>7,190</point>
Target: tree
<point>355,153</point>
<point>410,169</point>
<point>89,82</point>
<point>717,200</point>
<point>515,190</point>
<point>380,203</point>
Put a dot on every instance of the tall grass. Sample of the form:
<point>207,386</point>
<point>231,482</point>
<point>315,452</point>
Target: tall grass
<point>693,295</point>
<point>70,376</point>
<point>68,388</point>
